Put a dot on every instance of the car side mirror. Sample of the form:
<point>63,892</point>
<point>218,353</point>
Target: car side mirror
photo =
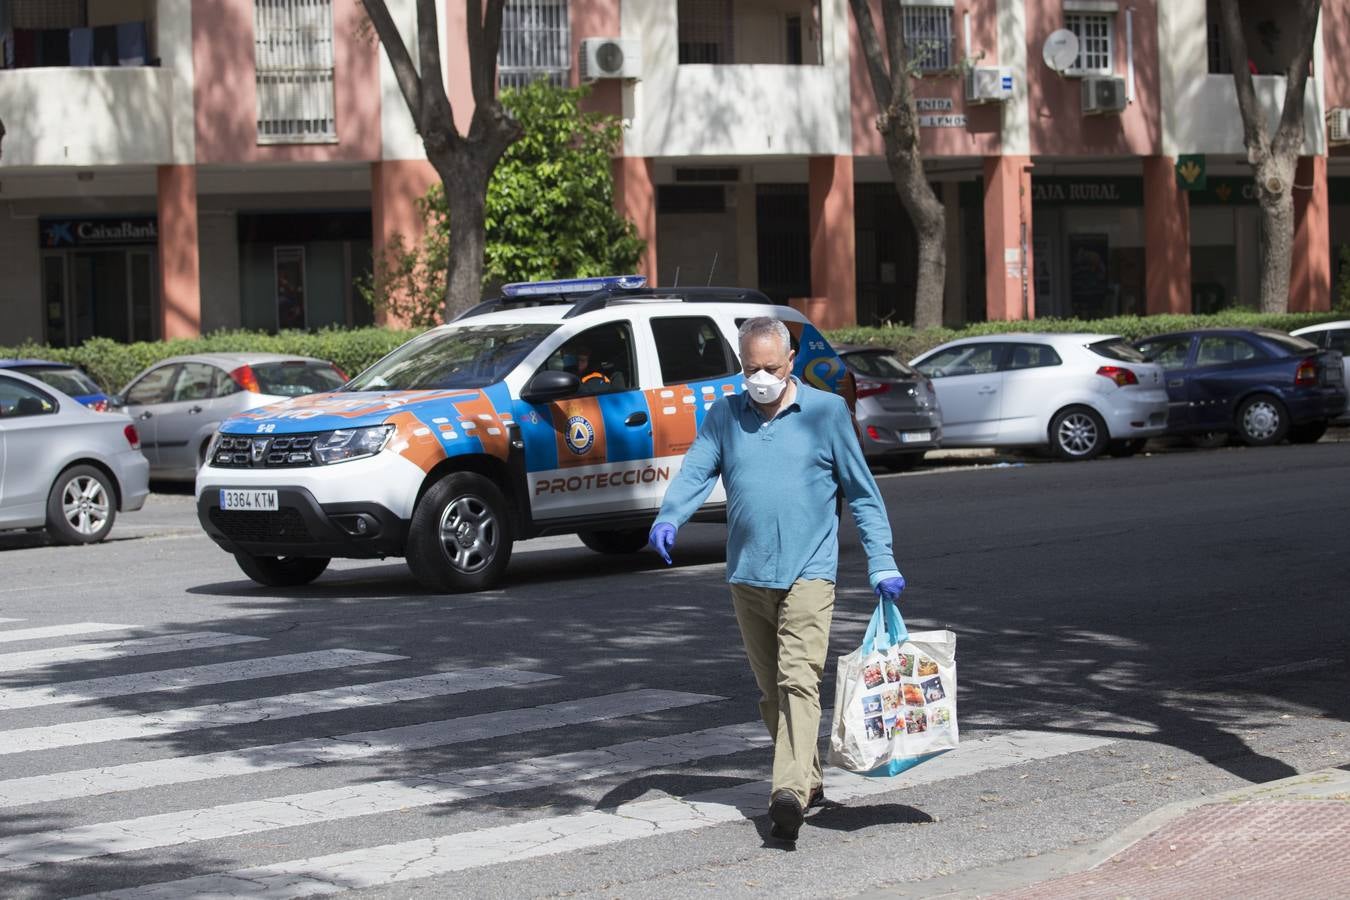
<point>550,385</point>
<point>116,401</point>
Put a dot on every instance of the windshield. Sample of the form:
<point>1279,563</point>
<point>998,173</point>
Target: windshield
<point>71,382</point>
<point>468,356</point>
<point>295,378</point>
<point>878,364</point>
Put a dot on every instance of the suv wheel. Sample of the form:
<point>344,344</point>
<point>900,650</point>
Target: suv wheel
<point>460,536</point>
<point>1078,433</point>
<point>1261,421</point>
<point>628,540</point>
<point>81,507</point>
<point>282,571</point>
<point>1307,433</point>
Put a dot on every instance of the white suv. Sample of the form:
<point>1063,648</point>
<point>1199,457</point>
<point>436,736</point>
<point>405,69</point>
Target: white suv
<point>560,407</point>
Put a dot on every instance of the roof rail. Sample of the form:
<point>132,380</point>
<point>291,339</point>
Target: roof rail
<point>612,292</point>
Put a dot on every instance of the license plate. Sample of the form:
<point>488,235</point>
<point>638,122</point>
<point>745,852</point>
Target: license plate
<point>915,437</point>
<point>261,501</point>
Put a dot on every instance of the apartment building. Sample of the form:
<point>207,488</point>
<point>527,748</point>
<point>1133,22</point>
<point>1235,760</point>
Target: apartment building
<point>179,166</point>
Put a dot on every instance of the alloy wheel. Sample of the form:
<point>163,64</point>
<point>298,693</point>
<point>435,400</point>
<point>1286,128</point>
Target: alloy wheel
<point>469,533</point>
<point>1078,434</point>
<point>85,504</point>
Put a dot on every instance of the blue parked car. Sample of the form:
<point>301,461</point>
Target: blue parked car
<point>67,379</point>
<point>1258,384</point>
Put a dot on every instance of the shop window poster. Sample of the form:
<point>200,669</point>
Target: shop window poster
<point>290,287</point>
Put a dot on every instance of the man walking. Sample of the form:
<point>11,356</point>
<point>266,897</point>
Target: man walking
<point>785,451</point>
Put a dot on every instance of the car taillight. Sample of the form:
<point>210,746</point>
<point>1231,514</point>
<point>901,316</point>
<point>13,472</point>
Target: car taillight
<point>873,433</point>
<point>247,381</point>
<point>1307,372</point>
<point>868,388</point>
<point>1119,374</point>
<point>99,406</point>
<point>341,374</point>
<point>133,438</point>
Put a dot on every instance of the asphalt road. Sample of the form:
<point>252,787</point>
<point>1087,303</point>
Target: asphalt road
<point>1130,633</point>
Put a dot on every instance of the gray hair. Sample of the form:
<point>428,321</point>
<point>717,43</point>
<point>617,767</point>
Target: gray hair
<point>764,326</point>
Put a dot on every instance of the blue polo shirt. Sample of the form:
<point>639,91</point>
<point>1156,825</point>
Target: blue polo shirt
<point>782,478</point>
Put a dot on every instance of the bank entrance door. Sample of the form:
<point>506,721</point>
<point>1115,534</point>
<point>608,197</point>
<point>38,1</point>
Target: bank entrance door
<point>109,292</point>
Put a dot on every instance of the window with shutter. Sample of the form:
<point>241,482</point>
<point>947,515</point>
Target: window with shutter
<point>293,49</point>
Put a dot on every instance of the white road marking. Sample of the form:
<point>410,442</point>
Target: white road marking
<point>165,643</point>
<point>409,860</point>
<point>3,619</point>
<point>50,631</point>
<point>351,801</point>
<point>257,709</point>
<point>343,747</point>
<point>187,677</point>
<point>1306,665</point>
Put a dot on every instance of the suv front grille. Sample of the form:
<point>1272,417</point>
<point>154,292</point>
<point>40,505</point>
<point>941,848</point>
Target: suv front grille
<point>265,452</point>
<point>284,526</point>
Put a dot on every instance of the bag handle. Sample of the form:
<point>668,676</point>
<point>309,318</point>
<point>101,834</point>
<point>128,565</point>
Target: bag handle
<point>886,627</point>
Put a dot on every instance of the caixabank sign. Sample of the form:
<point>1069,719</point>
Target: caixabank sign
<point>56,234</point>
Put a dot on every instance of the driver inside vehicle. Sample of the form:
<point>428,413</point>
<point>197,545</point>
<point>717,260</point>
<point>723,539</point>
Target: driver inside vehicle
<point>596,373</point>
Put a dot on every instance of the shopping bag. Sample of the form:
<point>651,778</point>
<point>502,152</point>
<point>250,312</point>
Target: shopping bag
<point>894,698</point>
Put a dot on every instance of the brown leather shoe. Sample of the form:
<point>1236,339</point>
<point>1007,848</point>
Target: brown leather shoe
<point>817,797</point>
<point>785,810</point>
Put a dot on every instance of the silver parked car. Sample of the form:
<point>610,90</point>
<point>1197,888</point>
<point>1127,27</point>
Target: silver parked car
<point>897,412</point>
<point>1332,336</point>
<point>63,466</point>
<point>178,402</point>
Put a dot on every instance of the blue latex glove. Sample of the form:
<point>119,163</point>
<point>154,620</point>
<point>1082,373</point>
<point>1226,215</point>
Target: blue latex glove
<point>890,588</point>
<point>662,538</point>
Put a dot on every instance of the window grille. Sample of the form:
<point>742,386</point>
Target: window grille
<point>1220,63</point>
<point>1094,32</point>
<point>536,43</point>
<point>928,37</point>
<point>706,32</point>
<point>294,56</point>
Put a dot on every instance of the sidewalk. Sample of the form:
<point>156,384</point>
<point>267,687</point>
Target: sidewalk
<point>1284,839</point>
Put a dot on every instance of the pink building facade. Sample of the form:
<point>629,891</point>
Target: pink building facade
<point>192,165</point>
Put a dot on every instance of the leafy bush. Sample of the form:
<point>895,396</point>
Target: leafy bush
<point>909,343</point>
<point>112,364</point>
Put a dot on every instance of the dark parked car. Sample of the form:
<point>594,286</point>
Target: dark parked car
<point>897,410</point>
<point>1258,384</point>
<point>69,380</point>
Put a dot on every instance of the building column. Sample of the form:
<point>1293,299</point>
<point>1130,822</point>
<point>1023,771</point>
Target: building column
<point>395,187</point>
<point>179,257</point>
<point>1310,274</point>
<point>1167,239</point>
<point>834,276</point>
<point>1008,288</point>
<point>635,199</point>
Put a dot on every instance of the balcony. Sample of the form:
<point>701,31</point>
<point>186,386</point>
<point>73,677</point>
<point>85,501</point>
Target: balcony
<point>87,116</point>
<point>1205,118</point>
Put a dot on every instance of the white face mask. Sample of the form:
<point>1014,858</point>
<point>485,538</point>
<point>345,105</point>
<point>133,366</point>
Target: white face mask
<point>764,388</point>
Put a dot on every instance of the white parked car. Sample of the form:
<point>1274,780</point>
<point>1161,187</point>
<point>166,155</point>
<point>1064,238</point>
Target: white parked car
<point>63,466</point>
<point>1332,336</point>
<point>1079,394</point>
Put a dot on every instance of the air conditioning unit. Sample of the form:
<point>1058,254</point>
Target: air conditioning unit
<point>1338,126</point>
<point>1103,94</point>
<point>989,84</point>
<point>610,58</point>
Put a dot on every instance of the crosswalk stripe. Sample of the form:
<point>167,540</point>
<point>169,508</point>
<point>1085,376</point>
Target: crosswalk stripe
<point>344,747</point>
<point>351,801</point>
<point>3,619</point>
<point>239,712</point>
<point>12,635</point>
<point>187,677</point>
<point>165,643</point>
<point>405,861</point>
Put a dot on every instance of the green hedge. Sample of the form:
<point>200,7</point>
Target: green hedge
<point>112,364</point>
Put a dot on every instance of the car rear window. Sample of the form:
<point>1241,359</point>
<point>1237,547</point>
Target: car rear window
<point>1117,349</point>
<point>297,378</point>
<point>1287,342</point>
<point>877,364</point>
<point>71,382</point>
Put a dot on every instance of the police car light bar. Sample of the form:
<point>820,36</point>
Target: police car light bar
<point>572,286</point>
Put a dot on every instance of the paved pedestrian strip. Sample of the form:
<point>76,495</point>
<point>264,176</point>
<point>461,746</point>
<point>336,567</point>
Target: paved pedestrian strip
<point>187,677</point>
<point>171,643</point>
<point>115,826</point>
<point>14,635</point>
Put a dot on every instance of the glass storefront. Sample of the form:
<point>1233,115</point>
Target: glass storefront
<point>297,269</point>
<point>1088,246</point>
<point>99,279</point>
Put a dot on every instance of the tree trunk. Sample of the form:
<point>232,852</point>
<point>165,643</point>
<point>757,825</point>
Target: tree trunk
<point>1277,229</point>
<point>466,186</point>
<point>930,228</point>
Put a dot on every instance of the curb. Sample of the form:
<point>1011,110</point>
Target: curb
<point>1322,784</point>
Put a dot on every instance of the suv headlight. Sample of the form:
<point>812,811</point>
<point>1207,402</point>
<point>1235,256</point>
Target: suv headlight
<point>351,443</point>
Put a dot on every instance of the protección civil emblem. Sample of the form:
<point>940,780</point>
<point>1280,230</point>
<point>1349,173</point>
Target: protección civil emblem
<point>580,435</point>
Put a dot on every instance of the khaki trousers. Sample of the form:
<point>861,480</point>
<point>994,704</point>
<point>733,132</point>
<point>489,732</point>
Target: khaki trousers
<point>787,635</point>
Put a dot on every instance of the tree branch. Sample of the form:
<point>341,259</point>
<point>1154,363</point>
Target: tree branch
<point>876,65</point>
<point>485,36</point>
<point>1254,134</point>
<point>893,21</point>
<point>1289,135</point>
<point>405,71</point>
<point>435,105</point>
